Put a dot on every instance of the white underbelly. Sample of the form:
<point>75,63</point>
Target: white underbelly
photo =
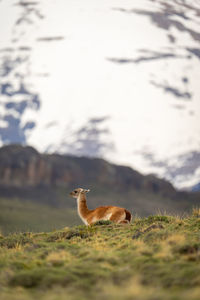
<point>107,217</point>
<point>104,218</point>
<point>84,221</point>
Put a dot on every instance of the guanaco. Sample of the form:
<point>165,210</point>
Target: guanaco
<point>113,213</point>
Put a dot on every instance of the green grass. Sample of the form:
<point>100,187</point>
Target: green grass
<point>18,216</point>
<point>154,258</point>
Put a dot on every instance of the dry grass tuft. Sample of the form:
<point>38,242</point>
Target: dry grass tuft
<point>196,212</point>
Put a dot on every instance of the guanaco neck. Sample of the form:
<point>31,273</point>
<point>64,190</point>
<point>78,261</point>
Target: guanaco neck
<point>82,206</point>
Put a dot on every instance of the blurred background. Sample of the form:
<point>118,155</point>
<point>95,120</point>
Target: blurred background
<point>99,94</point>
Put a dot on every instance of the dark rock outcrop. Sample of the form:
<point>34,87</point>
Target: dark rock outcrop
<point>24,167</point>
<point>48,178</point>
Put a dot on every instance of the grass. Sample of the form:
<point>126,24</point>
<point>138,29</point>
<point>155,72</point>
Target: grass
<point>17,216</point>
<point>154,258</point>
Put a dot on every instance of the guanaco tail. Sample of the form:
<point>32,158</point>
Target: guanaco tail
<point>113,213</point>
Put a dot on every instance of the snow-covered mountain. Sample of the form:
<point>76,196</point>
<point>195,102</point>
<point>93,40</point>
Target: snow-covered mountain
<point>196,188</point>
<point>117,79</point>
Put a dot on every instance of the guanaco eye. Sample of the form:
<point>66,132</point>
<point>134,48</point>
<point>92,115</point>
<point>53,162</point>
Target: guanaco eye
<point>75,191</point>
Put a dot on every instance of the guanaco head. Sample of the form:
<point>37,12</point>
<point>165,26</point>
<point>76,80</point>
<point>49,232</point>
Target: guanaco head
<point>75,193</point>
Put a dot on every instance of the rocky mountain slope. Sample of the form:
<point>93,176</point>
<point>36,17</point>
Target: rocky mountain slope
<point>48,178</point>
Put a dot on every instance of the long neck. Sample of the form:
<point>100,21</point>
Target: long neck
<point>82,206</point>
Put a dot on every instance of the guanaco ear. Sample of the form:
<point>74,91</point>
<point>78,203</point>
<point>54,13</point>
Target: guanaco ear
<point>87,191</point>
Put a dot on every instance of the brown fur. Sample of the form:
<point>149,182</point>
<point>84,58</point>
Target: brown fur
<point>113,213</point>
<point>128,215</point>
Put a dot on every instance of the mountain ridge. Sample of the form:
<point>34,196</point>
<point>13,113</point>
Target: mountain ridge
<point>48,178</point>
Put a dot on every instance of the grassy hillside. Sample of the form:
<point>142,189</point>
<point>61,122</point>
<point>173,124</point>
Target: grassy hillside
<point>17,216</point>
<point>153,258</point>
